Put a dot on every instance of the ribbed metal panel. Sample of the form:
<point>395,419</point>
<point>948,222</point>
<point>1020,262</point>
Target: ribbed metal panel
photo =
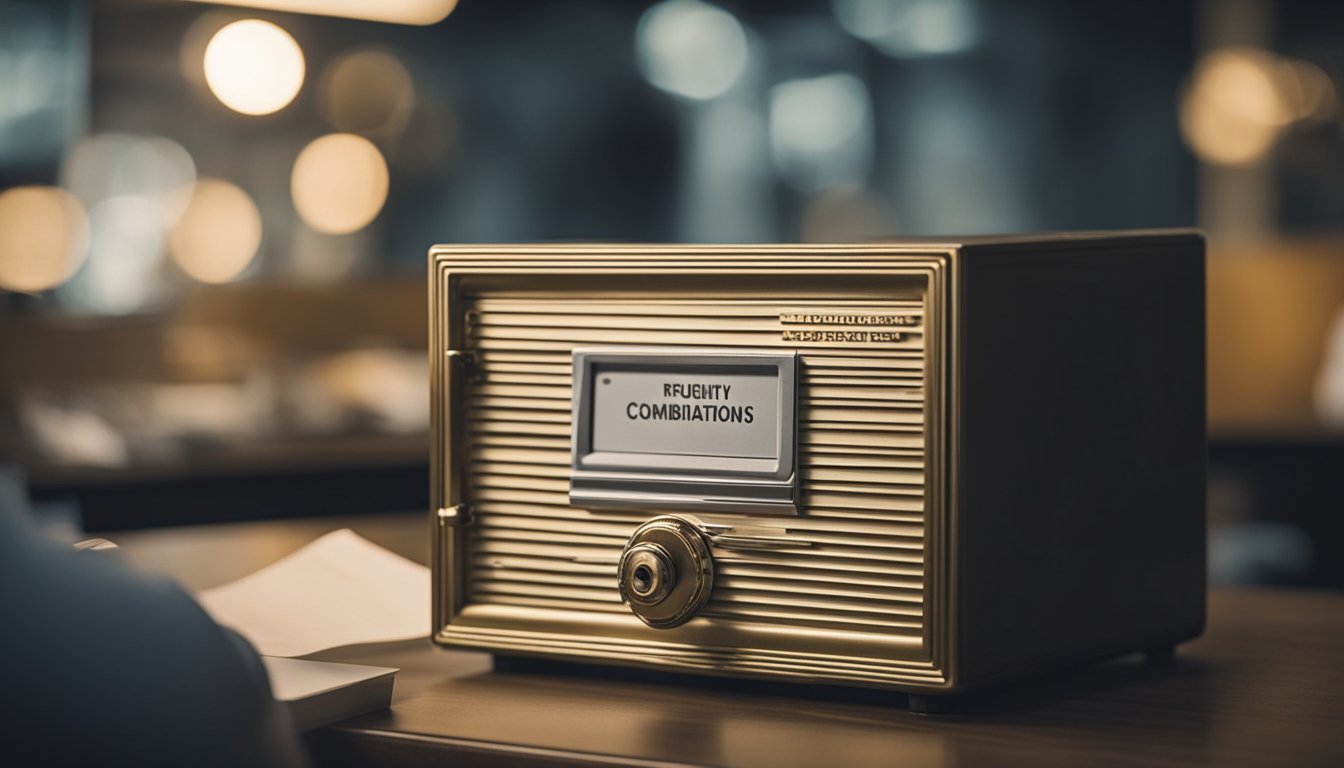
<point>858,560</point>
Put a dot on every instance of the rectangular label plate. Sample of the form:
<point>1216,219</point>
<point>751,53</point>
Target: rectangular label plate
<point>676,428</point>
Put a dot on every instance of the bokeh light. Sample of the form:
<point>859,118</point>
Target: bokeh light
<point>254,67</point>
<point>911,28</point>
<point>691,48</point>
<point>339,183</point>
<point>418,12</point>
<point>44,236</point>
<point>108,165</point>
<point>126,240</point>
<point>218,235</point>
<point>1235,106</point>
<point>1310,91</point>
<point>821,130</point>
<point>135,188</point>
<point>368,91</point>
<point>191,53</point>
<point>1329,394</point>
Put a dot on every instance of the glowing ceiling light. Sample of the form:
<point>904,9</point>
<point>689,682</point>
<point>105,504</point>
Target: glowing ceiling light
<point>417,12</point>
<point>219,233</point>
<point>691,48</point>
<point>44,236</point>
<point>339,183</point>
<point>254,67</point>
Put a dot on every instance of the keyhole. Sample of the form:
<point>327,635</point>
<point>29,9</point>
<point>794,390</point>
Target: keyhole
<point>643,579</point>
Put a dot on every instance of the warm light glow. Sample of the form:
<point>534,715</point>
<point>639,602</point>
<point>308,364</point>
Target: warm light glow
<point>418,12</point>
<point>191,53</point>
<point>1235,105</point>
<point>691,48</point>
<point>44,235</point>
<point>339,183</point>
<point>387,384</point>
<point>1311,92</point>
<point>254,67</point>
<point>1330,380</point>
<point>219,233</point>
<point>368,90</point>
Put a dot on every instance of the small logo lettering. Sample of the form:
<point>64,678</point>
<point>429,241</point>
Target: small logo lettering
<point>801,318</point>
<point>843,337</point>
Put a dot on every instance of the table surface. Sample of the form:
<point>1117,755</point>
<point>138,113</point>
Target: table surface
<point>1263,686</point>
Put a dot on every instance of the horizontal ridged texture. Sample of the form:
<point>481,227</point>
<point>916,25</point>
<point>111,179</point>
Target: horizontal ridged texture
<point>858,562</point>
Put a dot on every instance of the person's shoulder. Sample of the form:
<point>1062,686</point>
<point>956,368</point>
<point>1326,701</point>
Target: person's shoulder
<point>138,664</point>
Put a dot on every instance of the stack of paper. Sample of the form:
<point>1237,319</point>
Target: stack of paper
<point>339,590</point>
<point>323,692</point>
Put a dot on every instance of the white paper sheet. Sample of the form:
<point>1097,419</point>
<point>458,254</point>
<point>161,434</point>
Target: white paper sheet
<point>339,590</point>
<point>293,679</point>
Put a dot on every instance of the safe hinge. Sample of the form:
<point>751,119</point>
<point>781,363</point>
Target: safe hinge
<point>457,515</point>
<point>467,364</point>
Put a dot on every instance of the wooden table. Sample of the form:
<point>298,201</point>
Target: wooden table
<point>1264,686</point>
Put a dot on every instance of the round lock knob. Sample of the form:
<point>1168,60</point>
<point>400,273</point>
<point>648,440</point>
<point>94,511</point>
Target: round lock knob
<point>666,572</point>
<point>650,574</point>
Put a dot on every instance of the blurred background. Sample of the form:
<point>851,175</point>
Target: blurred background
<point>214,218</point>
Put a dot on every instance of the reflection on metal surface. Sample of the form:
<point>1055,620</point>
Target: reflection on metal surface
<point>339,183</point>
<point>254,67</point>
<point>44,236</point>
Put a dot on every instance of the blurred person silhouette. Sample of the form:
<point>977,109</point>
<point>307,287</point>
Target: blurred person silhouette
<point>104,665</point>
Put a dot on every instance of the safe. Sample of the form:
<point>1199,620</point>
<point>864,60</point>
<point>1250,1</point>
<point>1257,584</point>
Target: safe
<point>926,466</point>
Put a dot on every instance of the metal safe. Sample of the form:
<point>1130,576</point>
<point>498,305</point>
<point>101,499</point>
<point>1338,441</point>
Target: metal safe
<point>924,466</point>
